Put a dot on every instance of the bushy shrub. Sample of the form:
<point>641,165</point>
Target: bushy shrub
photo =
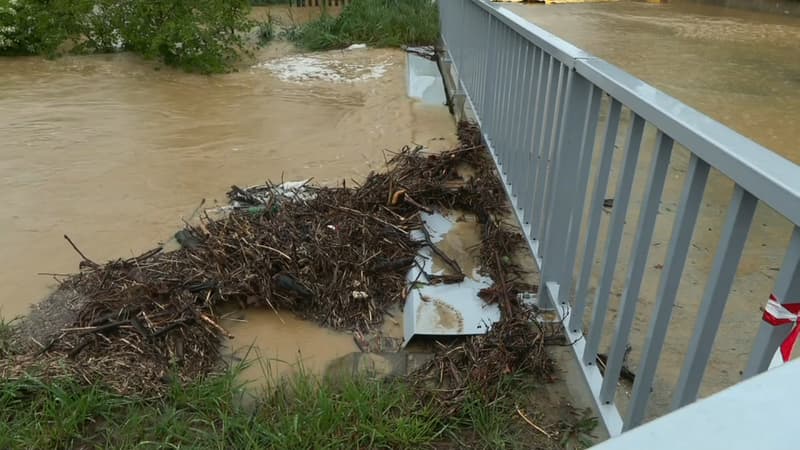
<point>205,36</point>
<point>379,23</point>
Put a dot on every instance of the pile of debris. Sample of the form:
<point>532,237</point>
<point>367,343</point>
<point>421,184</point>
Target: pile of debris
<point>478,364</point>
<point>334,255</point>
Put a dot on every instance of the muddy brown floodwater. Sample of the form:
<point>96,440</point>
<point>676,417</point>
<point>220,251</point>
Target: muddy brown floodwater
<point>276,344</point>
<point>743,69</point>
<point>115,152</point>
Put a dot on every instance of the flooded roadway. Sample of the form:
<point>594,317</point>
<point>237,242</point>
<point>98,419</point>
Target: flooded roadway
<point>741,68</point>
<point>115,152</point>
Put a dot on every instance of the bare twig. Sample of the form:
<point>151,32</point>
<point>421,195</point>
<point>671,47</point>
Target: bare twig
<point>222,331</point>
<point>530,422</point>
<point>85,258</point>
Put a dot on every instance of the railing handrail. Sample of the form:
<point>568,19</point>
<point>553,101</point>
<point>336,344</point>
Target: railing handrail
<point>540,37</point>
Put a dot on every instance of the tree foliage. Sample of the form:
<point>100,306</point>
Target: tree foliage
<point>206,36</point>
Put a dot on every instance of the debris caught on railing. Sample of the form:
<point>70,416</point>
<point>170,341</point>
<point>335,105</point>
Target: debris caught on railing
<point>513,346</point>
<point>625,374</point>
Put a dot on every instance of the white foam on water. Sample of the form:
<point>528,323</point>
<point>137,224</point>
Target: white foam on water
<point>303,68</point>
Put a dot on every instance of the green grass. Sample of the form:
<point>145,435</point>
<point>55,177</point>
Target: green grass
<point>377,23</point>
<point>355,413</point>
<point>302,412</point>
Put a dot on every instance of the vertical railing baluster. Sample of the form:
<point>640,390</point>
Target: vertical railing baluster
<point>476,52</point>
<point>522,165</point>
<point>461,28</point>
<point>464,55</point>
<point>472,51</point>
<point>521,123</point>
<point>485,46</point>
<point>787,290</point>
<point>485,60</point>
<point>577,97</point>
<point>495,78</point>
<point>495,60</point>
<point>614,238</point>
<point>508,104</point>
<point>720,279</point>
<point>548,195</point>
<point>502,93</point>
<point>582,180</point>
<point>489,76</point>
<point>637,264</point>
<point>595,211</point>
<point>682,230</point>
<point>499,96</point>
<point>539,102</point>
<point>543,151</point>
<point>479,52</point>
<point>512,100</point>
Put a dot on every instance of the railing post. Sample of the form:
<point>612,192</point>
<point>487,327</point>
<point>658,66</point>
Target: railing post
<point>566,161</point>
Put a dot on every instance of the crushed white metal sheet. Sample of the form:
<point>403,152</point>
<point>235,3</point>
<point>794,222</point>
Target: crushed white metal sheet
<point>444,309</point>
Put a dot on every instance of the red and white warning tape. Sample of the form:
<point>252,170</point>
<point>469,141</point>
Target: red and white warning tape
<point>777,314</point>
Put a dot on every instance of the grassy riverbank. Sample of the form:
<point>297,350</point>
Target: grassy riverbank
<point>377,23</point>
<point>217,412</point>
<point>299,412</point>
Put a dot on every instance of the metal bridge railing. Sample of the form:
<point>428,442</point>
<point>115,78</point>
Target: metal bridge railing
<point>537,100</point>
